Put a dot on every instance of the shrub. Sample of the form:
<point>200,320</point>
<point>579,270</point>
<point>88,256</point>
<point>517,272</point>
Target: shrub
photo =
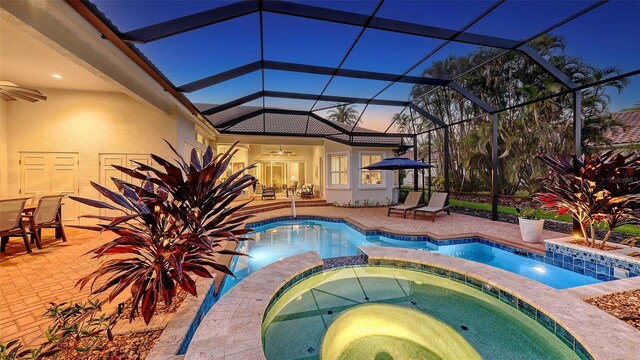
<point>171,228</point>
<point>597,190</point>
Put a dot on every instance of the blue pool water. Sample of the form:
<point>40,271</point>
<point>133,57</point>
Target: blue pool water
<point>286,238</point>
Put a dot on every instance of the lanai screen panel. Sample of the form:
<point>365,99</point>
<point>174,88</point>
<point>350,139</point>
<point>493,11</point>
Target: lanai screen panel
<point>438,63</point>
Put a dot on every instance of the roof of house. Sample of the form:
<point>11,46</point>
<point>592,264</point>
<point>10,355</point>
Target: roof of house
<point>628,132</point>
<point>252,120</point>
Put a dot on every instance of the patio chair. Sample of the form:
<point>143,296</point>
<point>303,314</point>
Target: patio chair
<point>11,222</point>
<point>268,192</point>
<point>437,204</point>
<point>411,202</point>
<point>46,215</point>
<point>307,191</point>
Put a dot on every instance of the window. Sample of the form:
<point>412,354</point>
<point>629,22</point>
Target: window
<point>338,170</point>
<point>202,139</point>
<point>370,177</point>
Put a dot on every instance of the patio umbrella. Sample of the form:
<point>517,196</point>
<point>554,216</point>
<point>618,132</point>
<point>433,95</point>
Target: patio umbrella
<point>399,163</point>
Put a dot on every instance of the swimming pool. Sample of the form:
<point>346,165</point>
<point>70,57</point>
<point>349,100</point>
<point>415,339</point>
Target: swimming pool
<point>389,313</point>
<point>281,239</point>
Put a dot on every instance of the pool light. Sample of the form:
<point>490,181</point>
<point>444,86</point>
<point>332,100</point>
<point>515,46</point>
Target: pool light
<point>539,269</point>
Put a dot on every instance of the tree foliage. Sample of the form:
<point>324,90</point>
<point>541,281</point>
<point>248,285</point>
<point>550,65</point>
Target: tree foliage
<point>541,127</point>
<point>344,114</point>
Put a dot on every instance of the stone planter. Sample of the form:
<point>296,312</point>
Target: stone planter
<point>531,230</point>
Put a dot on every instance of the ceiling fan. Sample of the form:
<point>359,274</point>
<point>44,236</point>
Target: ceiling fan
<point>281,152</point>
<point>11,92</point>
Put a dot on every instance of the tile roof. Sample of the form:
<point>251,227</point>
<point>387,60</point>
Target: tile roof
<point>629,130</point>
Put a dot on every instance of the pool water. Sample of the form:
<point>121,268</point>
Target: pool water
<point>287,238</point>
<point>386,313</point>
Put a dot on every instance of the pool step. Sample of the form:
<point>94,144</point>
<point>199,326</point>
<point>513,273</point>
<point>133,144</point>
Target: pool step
<point>279,204</point>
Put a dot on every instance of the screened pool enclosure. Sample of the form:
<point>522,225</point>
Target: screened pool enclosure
<point>477,86</point>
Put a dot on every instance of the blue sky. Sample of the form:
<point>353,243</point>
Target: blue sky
<point>608,36</point>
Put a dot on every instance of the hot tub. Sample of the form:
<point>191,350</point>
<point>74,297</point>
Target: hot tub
<point>386,313</point>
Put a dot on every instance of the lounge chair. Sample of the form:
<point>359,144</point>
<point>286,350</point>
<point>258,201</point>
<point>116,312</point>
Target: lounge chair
<point>411,202</point>
<point>437,204</point>
<point>11,222</point>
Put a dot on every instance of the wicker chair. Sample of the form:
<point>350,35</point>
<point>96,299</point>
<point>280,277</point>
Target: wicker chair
<point>307,191</point>
<point>268,193</point>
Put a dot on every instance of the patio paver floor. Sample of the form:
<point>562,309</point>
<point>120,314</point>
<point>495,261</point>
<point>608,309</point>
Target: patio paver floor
<point>29,282</point>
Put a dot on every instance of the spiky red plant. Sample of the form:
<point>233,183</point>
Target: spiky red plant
<point>171,227</point>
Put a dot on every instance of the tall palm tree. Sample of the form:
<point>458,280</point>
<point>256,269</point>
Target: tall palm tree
<point>344,114</point>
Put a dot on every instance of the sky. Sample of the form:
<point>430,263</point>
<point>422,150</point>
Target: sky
<point>607,36</point>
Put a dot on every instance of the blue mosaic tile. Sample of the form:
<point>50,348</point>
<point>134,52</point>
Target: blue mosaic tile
<point>546,321</point>
<point>582,352</point>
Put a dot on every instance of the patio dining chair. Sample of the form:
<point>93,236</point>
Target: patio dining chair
<point>411,202</point>
<point>46,215</point>
<point>11,222</point>
<point>436,204</point>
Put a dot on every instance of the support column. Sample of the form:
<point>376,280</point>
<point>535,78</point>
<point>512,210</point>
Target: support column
<point>446,161</point>
<point>415,158</point>
<point>429,161</point>
<point>494,167</point>
<point>577,138</point>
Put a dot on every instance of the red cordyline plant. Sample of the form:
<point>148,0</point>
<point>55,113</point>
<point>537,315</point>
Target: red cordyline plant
<point>171,227</point>
<point>597,190</point>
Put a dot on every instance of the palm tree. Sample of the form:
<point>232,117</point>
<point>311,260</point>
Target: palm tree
<point>344,114</point>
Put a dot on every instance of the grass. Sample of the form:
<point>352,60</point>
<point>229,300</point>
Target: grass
<point>632,230</point>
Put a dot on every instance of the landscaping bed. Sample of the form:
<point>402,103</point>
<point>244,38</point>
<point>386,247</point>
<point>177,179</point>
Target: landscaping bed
<point>549,224</point>
<point>623,305</point>
<point>134,346</point>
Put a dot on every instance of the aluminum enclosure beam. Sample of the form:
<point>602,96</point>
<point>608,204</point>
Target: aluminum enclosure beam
<point>494,168</point>
<point>235,10</point>
<point>307,69</point>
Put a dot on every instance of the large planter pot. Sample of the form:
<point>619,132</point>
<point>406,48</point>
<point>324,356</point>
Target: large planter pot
<point>531,230</point>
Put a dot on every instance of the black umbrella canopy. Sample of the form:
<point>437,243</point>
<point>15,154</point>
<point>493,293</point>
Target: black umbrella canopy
<point>397,163</point>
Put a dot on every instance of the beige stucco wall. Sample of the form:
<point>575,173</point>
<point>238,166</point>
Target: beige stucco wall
<point>89,123</point>
<point>4,192</point>
<point>354,191</point>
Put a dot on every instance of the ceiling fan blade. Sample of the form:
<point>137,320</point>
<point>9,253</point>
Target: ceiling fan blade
<point>6,97</point>
<point>20,96</point>
<point>36,95</point>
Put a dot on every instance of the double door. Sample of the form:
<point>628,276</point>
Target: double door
<point>48,173</point>
<point>107,171</point>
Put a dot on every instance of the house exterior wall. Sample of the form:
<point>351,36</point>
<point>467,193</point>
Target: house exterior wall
<point>4,190</point>
<point>89,123</point>
<point>354,191</point>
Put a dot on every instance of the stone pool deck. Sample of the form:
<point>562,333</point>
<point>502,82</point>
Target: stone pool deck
<point>28,282</point>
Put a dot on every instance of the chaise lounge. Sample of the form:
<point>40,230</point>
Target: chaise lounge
<point>411,202</point>
<point>437,204</point>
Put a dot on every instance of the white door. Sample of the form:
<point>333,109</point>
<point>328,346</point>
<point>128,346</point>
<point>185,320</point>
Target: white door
<point>51,173</point>
<point>107,172</point>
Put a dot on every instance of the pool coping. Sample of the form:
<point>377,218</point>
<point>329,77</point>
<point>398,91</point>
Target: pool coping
<point>232,329</point>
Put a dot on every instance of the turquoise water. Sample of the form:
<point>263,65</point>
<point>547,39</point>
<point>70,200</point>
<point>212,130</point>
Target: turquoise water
<point>385,313</point>
<point>287,238</point>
